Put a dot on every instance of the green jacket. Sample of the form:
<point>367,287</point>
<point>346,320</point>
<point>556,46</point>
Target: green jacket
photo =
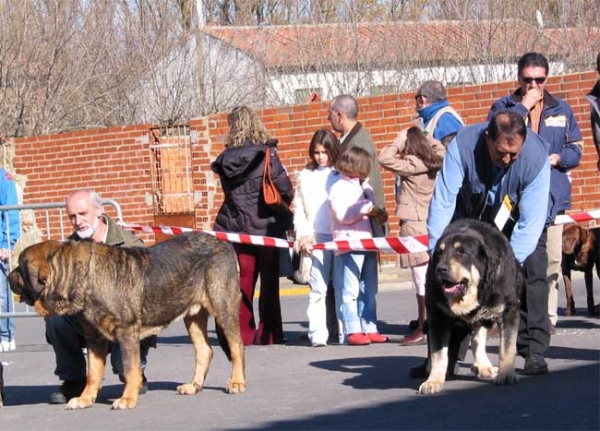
<point>359,137</point>
<point>116,236</point>
<point>121,238</point>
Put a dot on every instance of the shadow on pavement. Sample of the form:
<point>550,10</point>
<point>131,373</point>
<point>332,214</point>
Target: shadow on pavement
<point>541,402</point>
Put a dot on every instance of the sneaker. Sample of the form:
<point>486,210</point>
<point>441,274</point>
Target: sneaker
<point>420,371</point>
<point>144,387</point>
<point>316,344</point>
<point>415,339</point>
<point>376,337</point>
<point>69,389</point>
<point>535,365</point>
<point>358,339</point>
<point>7,346</point>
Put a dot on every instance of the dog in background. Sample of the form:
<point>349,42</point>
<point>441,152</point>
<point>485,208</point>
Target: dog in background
<point>581,252</point>
<point>128,294</point>
<point>473,281</point>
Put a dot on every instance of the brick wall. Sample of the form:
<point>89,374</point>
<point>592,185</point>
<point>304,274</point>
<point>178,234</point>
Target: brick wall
<point>116,162</point>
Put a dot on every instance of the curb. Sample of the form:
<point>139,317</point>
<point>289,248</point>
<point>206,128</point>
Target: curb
<point>390,278</point>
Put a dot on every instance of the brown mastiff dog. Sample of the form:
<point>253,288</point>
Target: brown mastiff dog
<point>581,252</point>
<point>128,294</point>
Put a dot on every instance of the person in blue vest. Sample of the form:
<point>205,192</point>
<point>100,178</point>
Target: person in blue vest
<point>435,113</point>
<point>553,120</point>
<point>486,166</point>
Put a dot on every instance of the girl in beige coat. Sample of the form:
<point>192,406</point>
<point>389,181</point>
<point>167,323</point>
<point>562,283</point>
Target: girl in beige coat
<point>416,158</point>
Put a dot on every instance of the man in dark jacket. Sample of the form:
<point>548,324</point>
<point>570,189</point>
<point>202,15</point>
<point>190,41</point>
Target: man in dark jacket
<point>553,120</point>
<point>64,333</point>
<point>594,98</point>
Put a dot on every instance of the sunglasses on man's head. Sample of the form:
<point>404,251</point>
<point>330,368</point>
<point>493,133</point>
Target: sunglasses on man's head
<point>529,79</point>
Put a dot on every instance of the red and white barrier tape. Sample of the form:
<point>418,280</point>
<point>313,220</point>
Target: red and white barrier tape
<point>400,244</point>
<point>577,217</point>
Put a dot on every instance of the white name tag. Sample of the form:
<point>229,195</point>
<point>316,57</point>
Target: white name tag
<point>504,213</point>
<point>557,121</point>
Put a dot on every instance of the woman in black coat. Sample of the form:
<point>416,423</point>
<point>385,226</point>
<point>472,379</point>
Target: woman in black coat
<point>240,168</point>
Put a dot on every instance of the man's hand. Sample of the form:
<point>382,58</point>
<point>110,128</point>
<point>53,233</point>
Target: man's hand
<point>305,244</point>
<point>4,254</point>
<point>532,97</point>
<point>379,214</point>
<point>400,140</point>
<point>554,159</point>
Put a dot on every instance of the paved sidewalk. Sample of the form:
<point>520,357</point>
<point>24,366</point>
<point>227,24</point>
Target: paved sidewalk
<point>297,387</point>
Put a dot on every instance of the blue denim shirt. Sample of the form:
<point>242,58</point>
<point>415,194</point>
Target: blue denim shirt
<point>10,223</point>
<point>460,191</point>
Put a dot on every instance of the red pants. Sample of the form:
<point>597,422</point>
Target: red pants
<point>263,261</point>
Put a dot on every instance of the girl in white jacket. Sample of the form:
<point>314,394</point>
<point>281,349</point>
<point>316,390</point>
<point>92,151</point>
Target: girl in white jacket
<point>311,222</point>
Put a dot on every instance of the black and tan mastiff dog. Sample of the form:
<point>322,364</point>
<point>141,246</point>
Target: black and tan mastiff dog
<point>127,294</point>
<point>473,280</point>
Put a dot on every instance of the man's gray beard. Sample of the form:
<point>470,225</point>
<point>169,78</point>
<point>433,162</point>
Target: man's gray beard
<point>88,232</point>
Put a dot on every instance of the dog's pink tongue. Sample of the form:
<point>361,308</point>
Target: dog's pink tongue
<point>453,289</point>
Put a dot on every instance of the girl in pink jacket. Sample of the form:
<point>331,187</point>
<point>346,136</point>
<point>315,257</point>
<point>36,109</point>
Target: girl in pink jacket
<point>351,203</point>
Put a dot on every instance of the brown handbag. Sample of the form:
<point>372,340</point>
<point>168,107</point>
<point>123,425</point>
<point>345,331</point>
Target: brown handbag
<point>271,195</point>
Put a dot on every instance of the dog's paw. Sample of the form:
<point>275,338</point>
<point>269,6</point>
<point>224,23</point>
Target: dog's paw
<point>509,378</point>
<point>484,371</point>
<point>124,403</point>
<point>431,387</point>
<point>79,403</point>
<point>236,387</point>
<point>188,389</point>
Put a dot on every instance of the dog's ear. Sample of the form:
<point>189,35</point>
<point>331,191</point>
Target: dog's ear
<point>43,273</point>
<point>587,239</point>
<point>571,237</point>
<point>492,264</point>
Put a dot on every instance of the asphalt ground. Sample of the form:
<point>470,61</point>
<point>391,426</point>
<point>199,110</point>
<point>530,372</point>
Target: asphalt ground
<point>297,387</point>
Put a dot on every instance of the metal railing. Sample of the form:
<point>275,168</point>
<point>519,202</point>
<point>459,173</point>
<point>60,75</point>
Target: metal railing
<point>41,222</point>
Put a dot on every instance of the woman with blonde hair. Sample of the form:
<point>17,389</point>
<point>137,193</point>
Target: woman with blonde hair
<point>240,167</point>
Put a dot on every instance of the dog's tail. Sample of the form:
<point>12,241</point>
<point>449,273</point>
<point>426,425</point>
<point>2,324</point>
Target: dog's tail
<point>222,340</point>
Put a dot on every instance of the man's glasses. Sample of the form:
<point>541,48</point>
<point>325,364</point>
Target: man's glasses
<point>419,96</point>
<point>528,79</point>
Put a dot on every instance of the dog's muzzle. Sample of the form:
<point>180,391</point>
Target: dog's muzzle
<point>451,287</point>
